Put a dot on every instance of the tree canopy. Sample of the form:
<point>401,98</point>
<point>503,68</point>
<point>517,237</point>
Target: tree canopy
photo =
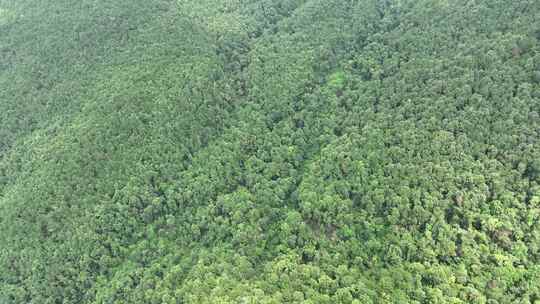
<point>270,151</point>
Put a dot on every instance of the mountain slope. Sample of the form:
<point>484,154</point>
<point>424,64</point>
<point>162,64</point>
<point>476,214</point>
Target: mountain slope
<point>270,152</point>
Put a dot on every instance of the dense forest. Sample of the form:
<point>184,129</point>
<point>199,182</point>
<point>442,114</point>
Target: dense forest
<point>270,151</point>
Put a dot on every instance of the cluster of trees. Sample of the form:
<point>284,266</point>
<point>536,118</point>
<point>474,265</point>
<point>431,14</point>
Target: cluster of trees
<point>263,151</point>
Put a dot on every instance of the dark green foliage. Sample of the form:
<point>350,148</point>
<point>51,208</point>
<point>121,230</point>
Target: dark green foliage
<point>257,151</point>
<point>536,77</point>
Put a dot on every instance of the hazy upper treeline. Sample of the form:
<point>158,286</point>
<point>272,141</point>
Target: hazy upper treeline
<point>269,151</point>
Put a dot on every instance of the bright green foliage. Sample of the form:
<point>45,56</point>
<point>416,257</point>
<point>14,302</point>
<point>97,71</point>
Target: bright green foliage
<point>269,151</point>
<point>336,81</point>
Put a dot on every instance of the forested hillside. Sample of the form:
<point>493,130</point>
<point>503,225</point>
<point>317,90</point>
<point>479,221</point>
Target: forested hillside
<point>270,151</point>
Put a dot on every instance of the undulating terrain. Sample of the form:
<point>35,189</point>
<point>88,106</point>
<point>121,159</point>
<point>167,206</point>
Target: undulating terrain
<point>269,151</point>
